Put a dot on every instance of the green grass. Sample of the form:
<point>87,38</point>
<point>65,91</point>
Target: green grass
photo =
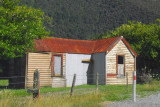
<point>115,92</point>
<point>43,90</point>
<point>51,97</point>
<point>4,82</point>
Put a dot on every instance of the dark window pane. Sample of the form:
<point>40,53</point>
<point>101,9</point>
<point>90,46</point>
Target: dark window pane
<point>120,60</point>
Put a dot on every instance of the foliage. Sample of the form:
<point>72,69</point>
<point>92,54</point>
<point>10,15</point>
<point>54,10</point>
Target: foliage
<point>82,19</point>
<point>1,69</point>
<point>4,82</point>
<point>144,39</point>
<point>19,26</point>
<point>145,78</point>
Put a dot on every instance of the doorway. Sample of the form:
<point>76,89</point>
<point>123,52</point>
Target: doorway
<point>120,65</point>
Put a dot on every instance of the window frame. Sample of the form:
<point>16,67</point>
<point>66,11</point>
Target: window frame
<point>117,64</point>
<point>52,67</point>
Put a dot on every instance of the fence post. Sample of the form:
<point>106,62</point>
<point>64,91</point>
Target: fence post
<point>97,83</point>
<point>36,85</point>
<point>134,86</point>
<point>127,81</point>
<point>73,84</point>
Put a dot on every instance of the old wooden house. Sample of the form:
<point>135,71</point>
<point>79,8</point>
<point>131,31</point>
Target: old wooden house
<point>58,59</point>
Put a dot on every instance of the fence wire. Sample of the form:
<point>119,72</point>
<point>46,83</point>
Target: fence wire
<point>88,79</point>
<point>84,84</point>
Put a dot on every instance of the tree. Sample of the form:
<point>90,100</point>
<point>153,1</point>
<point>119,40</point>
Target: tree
<point>19,26</point>
<point>82,19</point>
<point>144,39</point>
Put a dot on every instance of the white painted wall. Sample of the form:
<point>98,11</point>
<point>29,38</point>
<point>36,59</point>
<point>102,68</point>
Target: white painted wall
<point>74,65</point>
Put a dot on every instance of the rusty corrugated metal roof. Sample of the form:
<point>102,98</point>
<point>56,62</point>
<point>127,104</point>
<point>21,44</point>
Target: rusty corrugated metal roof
<point>64,45</point>
<point>77,46</point>
<point>103,44</point>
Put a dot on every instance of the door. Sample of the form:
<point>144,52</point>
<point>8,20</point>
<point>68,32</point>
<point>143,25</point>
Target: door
<point>120,65</point>
<point>57,65</point>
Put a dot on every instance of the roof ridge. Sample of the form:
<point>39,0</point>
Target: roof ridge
<point>66,39</point>
<point>105,45</point>
<point>108,38</point>
<point>78,39</point>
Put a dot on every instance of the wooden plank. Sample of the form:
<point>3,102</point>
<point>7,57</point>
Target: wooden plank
<point>41,70</point>
<point>39,67</point>
<point>42,73</point>
<point>40,57</point>
<point>46,64</point>
<point>42,62</point>
<point>41,79</point>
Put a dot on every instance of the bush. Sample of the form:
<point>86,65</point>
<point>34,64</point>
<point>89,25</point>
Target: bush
<point>145,78</point>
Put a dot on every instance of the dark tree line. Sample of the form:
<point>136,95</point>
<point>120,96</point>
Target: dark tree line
<point>83,19</point>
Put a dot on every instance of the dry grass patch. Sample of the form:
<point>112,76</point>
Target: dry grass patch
<point>88,100</point>
<point>84,96</point>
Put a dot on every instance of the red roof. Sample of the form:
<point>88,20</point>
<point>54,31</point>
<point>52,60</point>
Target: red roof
<point>64,45</point>
<point>77,46</point>
<point>103,44</point>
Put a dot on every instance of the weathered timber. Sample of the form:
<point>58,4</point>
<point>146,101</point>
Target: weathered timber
<point>97,83</point>
<point>36,85</point>
<point>127,80</point>
<point>129,63</point>
<point>42,62</point>
<point>73,84</point>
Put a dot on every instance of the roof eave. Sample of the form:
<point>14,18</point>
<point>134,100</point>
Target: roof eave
<point>113,44</point>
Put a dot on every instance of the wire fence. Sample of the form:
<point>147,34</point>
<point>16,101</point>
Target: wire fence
<point>76,85</point>
<point>94,81</point>
<point>89,79</point>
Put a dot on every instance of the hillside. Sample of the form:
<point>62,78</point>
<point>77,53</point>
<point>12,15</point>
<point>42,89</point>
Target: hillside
<point>82,19</point>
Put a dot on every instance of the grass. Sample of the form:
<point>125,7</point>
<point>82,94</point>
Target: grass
<point>146,89</point>
<point>115,93</point>
<point>88,100</point>
<point>43,90</point>
<point>4,82</point>
<point>54,97</point>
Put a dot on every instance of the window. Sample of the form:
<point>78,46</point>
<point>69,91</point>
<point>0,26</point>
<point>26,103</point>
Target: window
<point>120,65</point>
<point>120,60</point>
<point>57,65</point>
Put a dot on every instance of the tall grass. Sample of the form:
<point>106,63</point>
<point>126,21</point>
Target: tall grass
<point>50,98</point>
<point>58,100</point>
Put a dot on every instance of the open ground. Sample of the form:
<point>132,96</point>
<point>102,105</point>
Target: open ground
<point>84,96</point>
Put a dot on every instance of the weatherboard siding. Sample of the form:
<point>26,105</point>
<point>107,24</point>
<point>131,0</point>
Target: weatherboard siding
<point>111,66</point>
<point>42,62</point>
